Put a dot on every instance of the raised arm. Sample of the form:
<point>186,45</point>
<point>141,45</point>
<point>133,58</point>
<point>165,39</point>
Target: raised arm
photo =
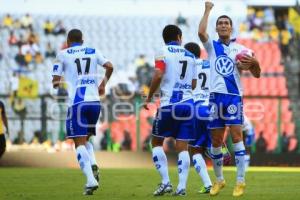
<point>203,23</point>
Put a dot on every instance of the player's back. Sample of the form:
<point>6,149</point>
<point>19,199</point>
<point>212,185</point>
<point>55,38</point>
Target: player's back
<point>176,85</point>
<point>81,72</point>
<point>201,92</point>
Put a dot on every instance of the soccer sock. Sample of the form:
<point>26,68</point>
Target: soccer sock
<point>85,165</point>
<point>217,157</point>
<point>201,169</point>
<point>161,163</point>
<point>183,169</point>
<point>90,149</point>
<point>247,161</point>
<point>239,149</point>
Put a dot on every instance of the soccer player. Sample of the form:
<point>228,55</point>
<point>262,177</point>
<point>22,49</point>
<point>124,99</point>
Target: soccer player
<point>249,138</point>
<point>3,128</point>
<point>79,66</point>
<point>226,95</point>
<point>202,134</point>
<point>175,74</point>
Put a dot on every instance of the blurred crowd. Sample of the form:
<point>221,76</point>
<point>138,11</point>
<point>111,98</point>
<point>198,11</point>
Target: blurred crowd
<point>264,25</point>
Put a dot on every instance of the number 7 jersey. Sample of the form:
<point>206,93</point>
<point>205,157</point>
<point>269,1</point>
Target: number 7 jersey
<point>79,66</point>
<point>179,66</point>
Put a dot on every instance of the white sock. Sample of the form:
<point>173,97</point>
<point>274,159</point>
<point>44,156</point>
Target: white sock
<point>247,161</point>
<point>239,150</point>
<point>89,147</point>
<point>201,169</point>
<point>85,165</point>
<point>183,169</point>
<point>161,163</point>
<point>217,156</point>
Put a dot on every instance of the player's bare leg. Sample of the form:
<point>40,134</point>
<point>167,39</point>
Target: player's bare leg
<point>161,164</point>
<point>200,167</point>
<point>85,164</point>
<point>90,149</point>
<point>217,136</point>
<point>239,150</point>
<point>183,166</point>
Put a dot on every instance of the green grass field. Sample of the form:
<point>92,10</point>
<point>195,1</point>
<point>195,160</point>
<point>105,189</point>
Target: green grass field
<point>125,184</point>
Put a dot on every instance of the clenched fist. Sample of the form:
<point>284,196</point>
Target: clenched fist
<point>208,5</point>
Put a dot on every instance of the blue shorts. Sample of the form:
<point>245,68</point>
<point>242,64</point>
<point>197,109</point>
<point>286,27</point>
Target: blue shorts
<point>225,110</point>
<point>82,119</point>
<point>175,121</point>
<point>202,133</point>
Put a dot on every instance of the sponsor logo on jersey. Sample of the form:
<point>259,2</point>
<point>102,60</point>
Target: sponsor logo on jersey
<point>224,65</point>
<point>176,50</point>
<point>55,68</point>
<point>72,51</point>
<point>183,86</point>
<point>87,81</point>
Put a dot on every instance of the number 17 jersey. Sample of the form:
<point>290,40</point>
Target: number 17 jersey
<point>79,66</point>
<point>179,71</point>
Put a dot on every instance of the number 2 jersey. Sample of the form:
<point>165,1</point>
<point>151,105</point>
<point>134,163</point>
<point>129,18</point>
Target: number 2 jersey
<point>179,66</point>
<point>79,66</point>
<point>201,92</point>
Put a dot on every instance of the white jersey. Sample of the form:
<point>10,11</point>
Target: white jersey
<point>225,77</point>
<point>247,126</point>
<point>79,66</point>
<point>180,70</point>
<point>201,92</point>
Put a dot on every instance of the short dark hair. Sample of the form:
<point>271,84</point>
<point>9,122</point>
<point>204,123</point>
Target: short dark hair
<point>224,16</point>
<point>75,35</point>
<point>194,48</point>
<point>171,32</point>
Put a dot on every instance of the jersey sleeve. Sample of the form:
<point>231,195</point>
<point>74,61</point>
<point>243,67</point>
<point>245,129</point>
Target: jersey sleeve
<point>208,45</point>
<point>160,60</point>
<point>58,67</point>
<point>101,60</point>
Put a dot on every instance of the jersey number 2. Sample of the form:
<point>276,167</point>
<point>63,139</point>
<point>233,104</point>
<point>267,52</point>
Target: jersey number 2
<point>87,65</point>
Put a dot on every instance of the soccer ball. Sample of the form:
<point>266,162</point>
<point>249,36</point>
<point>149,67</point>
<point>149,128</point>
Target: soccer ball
<point>243,53</point>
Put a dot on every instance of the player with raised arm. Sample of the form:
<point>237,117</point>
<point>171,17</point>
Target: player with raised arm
<point>226,94</point>
<point>201,100</point>
<point>175,74</point>
<point>79,66</point>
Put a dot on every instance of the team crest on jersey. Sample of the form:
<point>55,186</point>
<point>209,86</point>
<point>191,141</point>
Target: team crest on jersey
<point>232,109</point>
<point>224,65</point>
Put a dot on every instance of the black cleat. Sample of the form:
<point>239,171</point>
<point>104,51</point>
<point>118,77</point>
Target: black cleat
<point>95,169</point>
<point>90,190</point>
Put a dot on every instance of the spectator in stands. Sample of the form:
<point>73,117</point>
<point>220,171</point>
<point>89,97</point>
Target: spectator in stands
<point>269,17</point>
<point>50,53</point>
<point>27,22</point>
<point>1,53</point>
<point>21,41</point>
<point>261,144</point>
<point>181,21</point>
<point>14,86</point>
<point>20,59</point>
<point>59,28</point>
<point>48,27</point>
<point>284,39</point>
<point>7,21</point>
<point>17,24</point>
<point>285,142</point>
<point>12,40</point>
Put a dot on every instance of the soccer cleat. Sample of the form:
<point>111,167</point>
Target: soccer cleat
<point>181,192</point>
<point>205,190</point>
<point>217,186</point>
<point>95,169</point>
<point>239,189</point>
<point>162,189</point>
<point>90,190</point>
